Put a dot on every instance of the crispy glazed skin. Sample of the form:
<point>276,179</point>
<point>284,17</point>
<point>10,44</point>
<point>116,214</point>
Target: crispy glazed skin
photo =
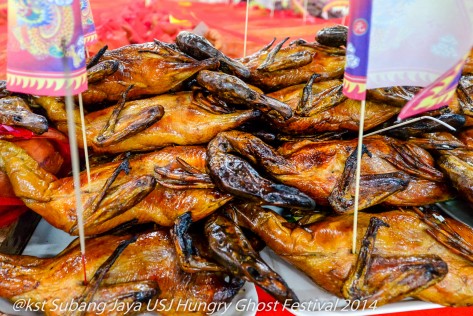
<point>15,112</point>
<point>323,252</point>
<point>437,140</point>
<point>322,164</point>
<point>294,64</point>
<point>132,196</point>
<point>152,68</point>
<point>330,111</point>
<point>40,150</point>
<point>459,168</point>
<point>395,172</point>
<point>457,164</point>
<point>184,122</point>
<point>466,137</point>
<point>146,269</point>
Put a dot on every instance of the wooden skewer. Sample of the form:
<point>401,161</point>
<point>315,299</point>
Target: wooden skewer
<point>84,131</point>
<point>246,27</point>
<point>304,13</point>
<point>358,172</point>
<point>71,128</point>
<point>84,138</point>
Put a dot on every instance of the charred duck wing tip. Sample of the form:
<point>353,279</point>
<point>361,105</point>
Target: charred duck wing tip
<point>334,36</point>
<point>239,257</point>
<point>14,111</point>
<point>95,59</point>
<point>377,222</point>
<point>272,54</point>
<point>286,196</point>
<point>415,273</point>
<point>233,90</point>
<point>279,107</point>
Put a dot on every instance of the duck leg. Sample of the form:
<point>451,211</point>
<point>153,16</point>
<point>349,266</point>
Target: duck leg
<point>129,125</point>
<point>377,279</point>
<point>233,251</point>
<point>188,256</point>
<point>235,175</point>
<point>374,188</point>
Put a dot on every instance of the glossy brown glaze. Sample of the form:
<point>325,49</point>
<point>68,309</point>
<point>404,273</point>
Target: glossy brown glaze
<point>131,196</point>
<point>323,163</point>
<point>152,68</point>
<point>15,112</point>
<point>200,48</point>
<point>183,121</point>
<point>458,165</point>
<point>146,271</point>
<point>42,151</point>
<point>225,248</point>
<point>295,65</point>
<point>438,140</point>
<point>322,250</point>
<point>232,90</point>
<point>334,36</point>
<point>317,168</point>
<point>466,137</point>
<point>329,110</point>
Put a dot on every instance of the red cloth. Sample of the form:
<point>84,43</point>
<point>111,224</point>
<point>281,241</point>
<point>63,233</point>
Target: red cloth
<point>12,207</point>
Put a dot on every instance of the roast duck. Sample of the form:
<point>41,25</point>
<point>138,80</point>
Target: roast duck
<point>187,146</point>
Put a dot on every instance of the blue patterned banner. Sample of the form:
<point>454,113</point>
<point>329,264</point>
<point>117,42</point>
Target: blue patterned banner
<point>88,25</point>
<point>356,69</point>
<point>38,32</point>
<point>408,43</point>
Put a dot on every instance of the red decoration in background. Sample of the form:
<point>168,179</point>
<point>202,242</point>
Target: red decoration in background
<point>11,207</point>
<point>446,311</point>
<point>16,132</point>
<point>8,215</point>
<point>138,24</point>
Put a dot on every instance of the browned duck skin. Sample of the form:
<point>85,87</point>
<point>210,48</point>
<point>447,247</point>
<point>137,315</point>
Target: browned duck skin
<point>318,168</point>
<point>283,67</point>
<point>233,252</point>
<point>3,89</point>
<point>152,68</point>
<point>437,141</point>
<point>397,96</point>
<point>43,151</point>
<point>155,187</point>
<point>118,192</point>
<point>183,118</point>
<point>458,165</point>
<point>200,48</point>
<point>388,265</point>
<point>232,90</point>
<point>466,137</point>
<point>321,106</point>
<point>418,128</point>
<point>156,277</point>
<point>15,112</point>
<point>334,36</point>
<point>464,98</point>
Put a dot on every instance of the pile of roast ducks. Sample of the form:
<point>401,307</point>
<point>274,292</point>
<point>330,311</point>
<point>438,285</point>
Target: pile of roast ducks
<point>198,144</point>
